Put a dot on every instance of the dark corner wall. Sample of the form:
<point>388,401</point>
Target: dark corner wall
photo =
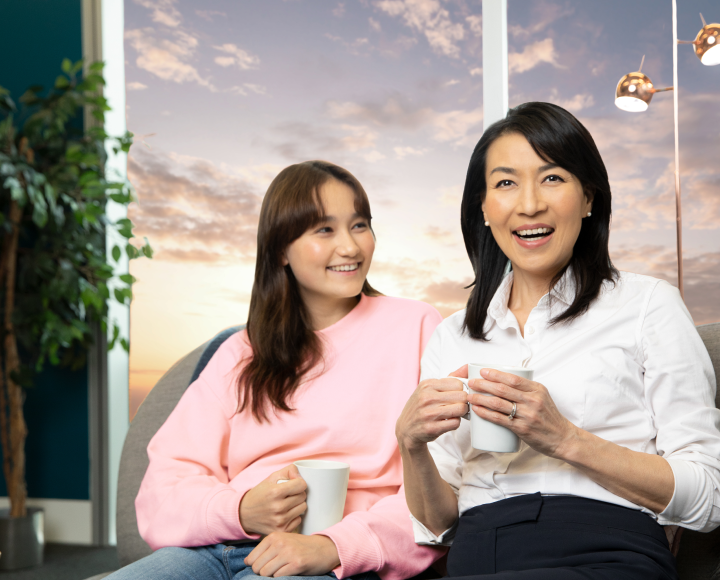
<point>37,35</point>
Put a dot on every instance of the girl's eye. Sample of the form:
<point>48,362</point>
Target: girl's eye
<point>324,230</point>
<point>504,183</point>
<point>362,224</point>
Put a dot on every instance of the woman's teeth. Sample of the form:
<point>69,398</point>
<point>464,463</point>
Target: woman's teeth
<point>344,268</point>
<point>534,234</point>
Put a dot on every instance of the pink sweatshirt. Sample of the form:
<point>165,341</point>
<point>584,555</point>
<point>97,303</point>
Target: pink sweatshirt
<point>206,456</point>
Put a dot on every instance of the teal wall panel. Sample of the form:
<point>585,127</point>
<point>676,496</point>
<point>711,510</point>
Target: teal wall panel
<point>37,35</point>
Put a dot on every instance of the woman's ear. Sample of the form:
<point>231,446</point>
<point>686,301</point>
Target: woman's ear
<point>283,260</point>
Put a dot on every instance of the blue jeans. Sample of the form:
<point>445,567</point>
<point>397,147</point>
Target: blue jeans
<point>211,562</point>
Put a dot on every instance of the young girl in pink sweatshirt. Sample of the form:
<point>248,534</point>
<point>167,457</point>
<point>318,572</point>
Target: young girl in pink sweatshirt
<point>322,372</point>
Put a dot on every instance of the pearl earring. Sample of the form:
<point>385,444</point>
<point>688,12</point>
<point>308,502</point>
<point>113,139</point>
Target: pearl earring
<point>487,223</point>
<point>589,214</point>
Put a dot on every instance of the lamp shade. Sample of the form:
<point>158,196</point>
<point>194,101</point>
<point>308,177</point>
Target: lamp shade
<point>707,44</point>
<point>634,92</point>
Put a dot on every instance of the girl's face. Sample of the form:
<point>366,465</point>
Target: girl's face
<point>535,208</point>
<point>331,260</point>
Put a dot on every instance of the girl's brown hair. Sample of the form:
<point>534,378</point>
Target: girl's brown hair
<point>284,346</point>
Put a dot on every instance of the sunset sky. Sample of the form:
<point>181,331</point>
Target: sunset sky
<point>223,94</point>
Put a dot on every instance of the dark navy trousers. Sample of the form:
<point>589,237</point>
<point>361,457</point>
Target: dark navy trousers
<point>556,538</point>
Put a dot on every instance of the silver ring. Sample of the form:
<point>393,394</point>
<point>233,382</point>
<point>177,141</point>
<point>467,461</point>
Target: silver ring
<point>514,410</point>
<point>469,409</point>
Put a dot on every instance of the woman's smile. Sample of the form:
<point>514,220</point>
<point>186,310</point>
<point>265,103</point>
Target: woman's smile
<point>533,235</point>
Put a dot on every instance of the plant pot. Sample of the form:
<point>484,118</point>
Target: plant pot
<point>22,539</point>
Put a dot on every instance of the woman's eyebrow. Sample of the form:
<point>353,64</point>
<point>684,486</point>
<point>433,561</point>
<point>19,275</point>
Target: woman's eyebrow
<point>509,170</point>
<point>548,166</point>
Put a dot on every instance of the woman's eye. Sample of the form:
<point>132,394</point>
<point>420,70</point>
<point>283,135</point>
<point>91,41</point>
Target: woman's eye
<point>554,178</point>
<point>360,225</point>
<point>504,183</point>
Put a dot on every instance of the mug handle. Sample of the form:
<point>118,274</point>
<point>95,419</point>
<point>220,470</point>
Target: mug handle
<point>466,388</point>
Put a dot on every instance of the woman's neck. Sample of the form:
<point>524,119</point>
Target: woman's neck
<point>527,290</point>
<point>326,312</point>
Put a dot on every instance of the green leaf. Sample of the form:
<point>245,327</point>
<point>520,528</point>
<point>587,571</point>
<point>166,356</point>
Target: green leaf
<point>125,344</point>
<point>132,252</point>
<point>128,278</point>
<point>61,82</point>
<point>116,253</point>
<point>66,65</point>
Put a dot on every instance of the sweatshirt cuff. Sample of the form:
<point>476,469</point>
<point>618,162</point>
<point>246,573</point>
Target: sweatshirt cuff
<point>222,516</point>
<point>357,548</point>
<point>686,505</point>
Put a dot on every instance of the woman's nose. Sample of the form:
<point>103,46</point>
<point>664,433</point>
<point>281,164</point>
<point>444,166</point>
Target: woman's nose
<point>530,203</point>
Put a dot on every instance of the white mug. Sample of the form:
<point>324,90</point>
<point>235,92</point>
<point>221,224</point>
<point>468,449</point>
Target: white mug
<point>327,484</point>
<point>487,436</point>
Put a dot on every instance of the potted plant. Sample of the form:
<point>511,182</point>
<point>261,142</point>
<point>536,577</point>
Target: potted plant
<point>55,276</point>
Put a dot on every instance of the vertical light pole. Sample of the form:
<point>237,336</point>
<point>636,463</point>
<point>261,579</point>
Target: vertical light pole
<point>678,199</point>
<point>495,61</point>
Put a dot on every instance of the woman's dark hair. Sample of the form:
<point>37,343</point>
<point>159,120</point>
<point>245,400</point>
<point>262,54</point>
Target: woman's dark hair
<point>557,137</point>
<point>284,346</point>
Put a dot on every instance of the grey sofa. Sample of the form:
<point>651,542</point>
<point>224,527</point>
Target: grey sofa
<point>698,556</point>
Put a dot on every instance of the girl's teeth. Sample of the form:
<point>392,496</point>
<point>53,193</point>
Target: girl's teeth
<point>344,268</point>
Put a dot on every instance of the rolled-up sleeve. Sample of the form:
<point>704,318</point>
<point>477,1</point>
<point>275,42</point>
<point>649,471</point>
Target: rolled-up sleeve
<point>680,391</point>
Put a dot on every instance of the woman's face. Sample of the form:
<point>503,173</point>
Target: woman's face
<point>535,208</point>
<point>331,260</point>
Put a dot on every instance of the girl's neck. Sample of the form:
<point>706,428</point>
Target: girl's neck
<point>326,312</point>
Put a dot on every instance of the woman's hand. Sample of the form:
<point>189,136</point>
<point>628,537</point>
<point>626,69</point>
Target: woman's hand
<point>432,410</point>
<point>290,554</point>
<point>271,507</point>
<point>537,420</point>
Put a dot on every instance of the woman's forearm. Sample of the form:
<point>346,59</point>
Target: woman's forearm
<point>644,479</point>
<point>430,499</point>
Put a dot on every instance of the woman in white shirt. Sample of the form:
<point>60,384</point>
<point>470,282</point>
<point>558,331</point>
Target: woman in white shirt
<point>620,434</point>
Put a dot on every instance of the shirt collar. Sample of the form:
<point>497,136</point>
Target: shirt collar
<point>563,292</point>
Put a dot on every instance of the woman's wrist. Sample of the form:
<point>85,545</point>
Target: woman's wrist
<point>574,445</point>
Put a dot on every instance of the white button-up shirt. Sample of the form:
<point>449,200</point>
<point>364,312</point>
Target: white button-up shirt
<point>632,370</point>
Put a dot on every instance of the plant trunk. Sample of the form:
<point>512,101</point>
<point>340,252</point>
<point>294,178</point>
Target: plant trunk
<point>13,424</point>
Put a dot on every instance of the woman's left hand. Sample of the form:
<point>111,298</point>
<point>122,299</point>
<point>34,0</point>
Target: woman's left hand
<point>537,420</point>
<point>290,554</point>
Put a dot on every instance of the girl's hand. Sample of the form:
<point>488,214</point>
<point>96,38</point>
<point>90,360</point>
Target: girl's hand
<point>537,420</point>
<point>432,410</point>
<point>271,507</point>
<point>290,554</point>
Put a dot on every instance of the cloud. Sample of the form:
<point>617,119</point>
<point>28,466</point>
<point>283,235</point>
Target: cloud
<point>533,55</point>
<point>339,10</point>
<point>135,86</point>
<point>545,13</point>
<point>192,211</point>
<point>164,11</point>
<point>374,25</point>
<point>429,18</point>
<point>402,152</point>
<point>451,82</point>
<point>374,157</point>
<point>447,296</point>
<point>475,23</point>
<point>701,275</point>
<point>575,104</point>
<point>452,126</point>
<point>476,71</point>
<point>353,47</point>
<point>451,196</point>
<point>236,56</point>
<point>167,58</point>
<point>360,137</point>
<point>208,14</point>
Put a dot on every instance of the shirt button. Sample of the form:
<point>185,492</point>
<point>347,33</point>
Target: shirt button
<point>530,330</point>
